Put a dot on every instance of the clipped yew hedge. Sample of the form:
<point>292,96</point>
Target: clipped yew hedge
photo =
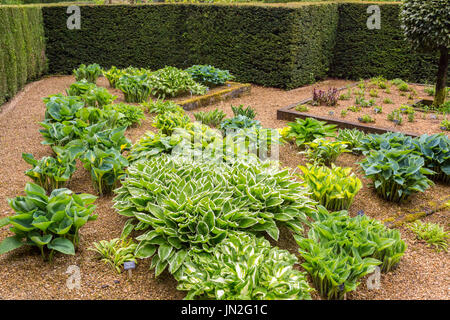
<point>22,54</point>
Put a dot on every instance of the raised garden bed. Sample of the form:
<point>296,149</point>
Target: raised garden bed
<point>342,115</point>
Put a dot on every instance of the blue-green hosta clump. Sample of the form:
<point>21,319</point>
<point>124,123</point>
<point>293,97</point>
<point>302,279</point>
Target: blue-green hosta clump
<point>324,151</point>
<point>167,122</point>
<point>233,125</point>
<point>307,130</point>
<point>352,137</point>
<point>244,267</point>
<point>60,108</point>
<point>61,133</point>
<point>385,141</point>
<point>51,223</point>
<point>208,75</point>
<point>435,149</point>
<point>181,205</point>
<point>396,173</point>
<point>339,250</point>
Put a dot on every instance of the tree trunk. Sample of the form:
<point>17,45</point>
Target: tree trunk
<point>441,83</point>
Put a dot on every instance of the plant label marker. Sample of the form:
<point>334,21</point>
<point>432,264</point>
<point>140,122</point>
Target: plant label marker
<point>129,265</point>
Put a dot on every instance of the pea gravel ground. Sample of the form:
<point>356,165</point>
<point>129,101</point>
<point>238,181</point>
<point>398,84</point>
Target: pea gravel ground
<point>422,273</point>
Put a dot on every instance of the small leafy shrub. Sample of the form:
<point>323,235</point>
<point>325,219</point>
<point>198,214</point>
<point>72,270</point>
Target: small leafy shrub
<point>302,108</point>
<point>378,109</point>
<point>354,109</point>
<point>113,75</point>
<point>435,149</point>
<point>253,269</point>
<point>396,173</point>
<point>161,106</point>
<point>167,122</point>
<point>80,87</point>
<point>248,112</point>
<point>410,117</point>
<point>373,93</point>
<point>396,117</point>
<point>115,252</point>
<point>106,168</point>
<point>131,114</point>
<point>352,138</point>
<point>50,173</point>
<point>98,97</point>
<point>335,188</point>
<point>59,108</point>
<point>209,75</point>
<point>386,141</point>
<point>360,101</point>
<point>405,109</point>
<point>366,119</point>
<point>387,101</point>
<point>403,87</point>
<point>232,125</point>
<point>90,72</point>
<point>172,82</point>
<point>135,88</point>
<point>210,118</point>
<point>50,223</point>
<point>327,98</point>
<point>344,113</point>
<point>324,151</point>
<point>445,125</point>
<point>151,145</point>
<point>433,233</point>
<point>60,133</point>
<point>309,129</point>
<point>347,95</point>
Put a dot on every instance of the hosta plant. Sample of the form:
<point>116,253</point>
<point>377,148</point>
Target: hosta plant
<point>396,173</point>
<point>239,110</point>
<point>115,252</point>
<point>61,133</point>
<point>352,138</point>
<point>98,97</point>
<point>131,114</point>
<point>134,88</point>
<point>106,168</point>
<point>335,188</point>
<point>232,125</point>
<point>79,88</point>
<point>244,267</point>
<point>90,72</point>
<point>209,75</point>
<point>324,151</point>
<point>309,129</point>
<point>50,223</point>
<point>385,141</point>
<point>151,145</point>
<point>432,233</point>
<point>161,106</point>
<point>113,75</point>
<point>50,173</point>
<point>180,206</point>
<point>435,149</point>
<point>59,108</point>
<point>167,122</point>
<point>211,118</point>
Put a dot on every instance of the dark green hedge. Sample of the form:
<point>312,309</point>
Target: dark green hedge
<point>363,53</point>
<point>22,54</point>
<point>273,46</point>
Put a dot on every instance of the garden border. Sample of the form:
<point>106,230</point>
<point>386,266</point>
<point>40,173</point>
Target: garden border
<point>235,90</point>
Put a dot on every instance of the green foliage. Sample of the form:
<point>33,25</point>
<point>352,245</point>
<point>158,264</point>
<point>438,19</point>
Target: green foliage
<point>365,118</point>
<point>396,117</point>
<point>302,108</point>
<point>60,133</point>
<point>209,75</point>
<point>134,87</point>
<point>373,93</point>
<point>115,252</point>
<point>354,109</point>
<point>256,140</point>
<point>435,149</point>
<point>445,125</point>
<point>388,101</point>
<point>433,233</point>
<point>90,72</point>
<point>248,112</point>
<point>244,267</point>
<point>386,141</point>
<point>182,206</point>
<point>324,151</point>
<point>161,106</point>
<point>59,108</point>
<point>92,95</point>
<point>339,250</point>
<point>131,114</point>
<point>334,188</point>
<point>106,168</point>
<point>167,122</point>
<point>151,145</point>
<point>50,173</point>
<point>396,173</point>
<point>233,125</point>
<point>50,223</point>
<point>211,118</point>
<point>309,129</point>
<point>352,137</point>
<point>172,82</point>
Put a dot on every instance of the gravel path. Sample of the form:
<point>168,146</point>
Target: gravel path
<point>422,274</point>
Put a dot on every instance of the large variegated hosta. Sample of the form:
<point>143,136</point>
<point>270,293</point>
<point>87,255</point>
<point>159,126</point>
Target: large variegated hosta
<point>185,206</point>
<point>244,267</point>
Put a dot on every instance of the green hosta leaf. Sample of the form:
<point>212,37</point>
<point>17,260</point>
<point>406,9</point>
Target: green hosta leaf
<point>10,243</point>
<point>62,245</point>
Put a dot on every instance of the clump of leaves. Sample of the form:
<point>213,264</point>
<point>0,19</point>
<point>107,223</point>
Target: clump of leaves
<point>327,98</point>
<point>433,233</point>
<point>396,173</point>
<point>131,114</point>
<point>167,122</point>
<point>253,269</point>
<point>378,109</point>
<point>309,129</point>
<point>50,173</point>
<point>161,106</point>
<point>232,125</point>
<point>59,108</point>
<point>302,108</point>
<point>388,101</point>
<point>386,141</point>
<point>115,252</point>
<point>50,223</point>
<point>352,137</point>
<point>396,117</point>
<point>211,118</point>
<point>445,125</point>
<point>248,112</point>
<point>324,151</point>
<point>90,72</point>
<point>354,109</point>
<point>151,145</point>
<point>208,75</point>
<point>182,206</point>
<point>135,88</point>
<point>373,93</point>
<point>366,119</point>
<point>335,188</point>
<point>362,102</point>
<point>435,149</point>
<point>346,96</point>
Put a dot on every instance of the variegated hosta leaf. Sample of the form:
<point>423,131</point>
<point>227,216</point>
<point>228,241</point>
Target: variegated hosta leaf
<point>243,267</point>
<point>192,206</point>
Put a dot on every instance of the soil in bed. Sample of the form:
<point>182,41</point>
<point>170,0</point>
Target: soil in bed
<point>388,100</point>
<point>422,273</point>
